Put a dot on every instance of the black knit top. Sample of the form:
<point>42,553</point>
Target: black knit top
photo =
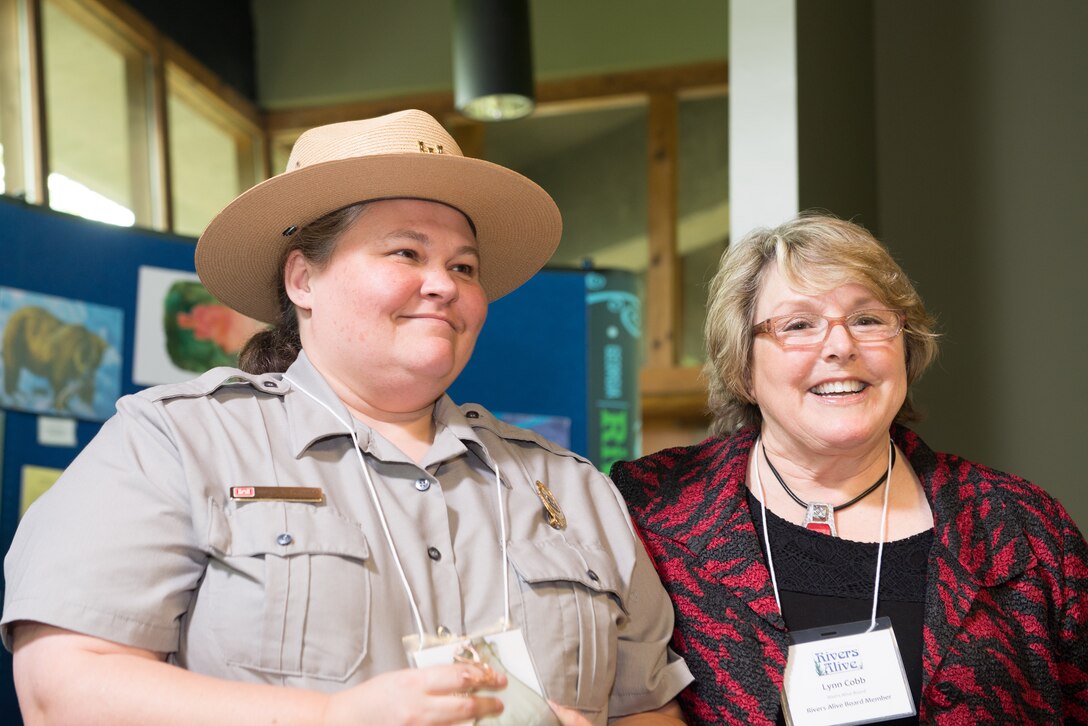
<point>825,580</point>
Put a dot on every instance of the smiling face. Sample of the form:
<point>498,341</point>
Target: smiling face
<point>834,398</point>
<point>394,315</point>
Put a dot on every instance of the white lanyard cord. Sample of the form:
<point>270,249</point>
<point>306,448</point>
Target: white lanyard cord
<point>377,505</point>
<point>767,536</point>
<point>389,536</point>
<point>883,536</point>
<point>763,511</point>
<point>501,501</point>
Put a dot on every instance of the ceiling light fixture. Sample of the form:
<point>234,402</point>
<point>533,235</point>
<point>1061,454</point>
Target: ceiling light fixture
<point>492,59</point>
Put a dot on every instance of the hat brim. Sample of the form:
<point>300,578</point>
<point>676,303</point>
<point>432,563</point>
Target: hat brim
<point>238,257</point>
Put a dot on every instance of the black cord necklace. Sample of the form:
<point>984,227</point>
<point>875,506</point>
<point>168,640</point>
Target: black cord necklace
<point>820,516</point>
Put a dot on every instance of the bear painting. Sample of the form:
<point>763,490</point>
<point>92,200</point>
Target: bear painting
<point>66,355</point>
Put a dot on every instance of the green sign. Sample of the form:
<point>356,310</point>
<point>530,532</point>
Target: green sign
<point>615,326</point>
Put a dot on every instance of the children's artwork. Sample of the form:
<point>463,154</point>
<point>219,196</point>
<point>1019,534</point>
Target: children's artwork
<point>60,356</point>
<point>181,330</point>
<point>36,480</point>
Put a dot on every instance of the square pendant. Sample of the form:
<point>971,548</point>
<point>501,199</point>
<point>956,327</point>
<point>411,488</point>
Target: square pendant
<point>821,518</point>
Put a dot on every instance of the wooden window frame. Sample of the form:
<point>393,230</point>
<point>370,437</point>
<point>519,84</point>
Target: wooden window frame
<point>133,38</point>
<point>148,53</point>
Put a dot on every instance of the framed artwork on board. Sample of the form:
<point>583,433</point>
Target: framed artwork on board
<point>182,330</point>
<point>59,356</point>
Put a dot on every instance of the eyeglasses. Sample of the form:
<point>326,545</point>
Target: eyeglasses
<point>799,330</point>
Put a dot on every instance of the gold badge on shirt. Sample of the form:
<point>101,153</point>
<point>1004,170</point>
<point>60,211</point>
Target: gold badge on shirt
<point>553,514</point>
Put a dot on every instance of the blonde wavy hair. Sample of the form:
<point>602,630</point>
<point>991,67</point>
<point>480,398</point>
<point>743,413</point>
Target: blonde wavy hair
<point>815,253</point>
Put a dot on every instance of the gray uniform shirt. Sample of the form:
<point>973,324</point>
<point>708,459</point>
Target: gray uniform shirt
<point>141,543</point>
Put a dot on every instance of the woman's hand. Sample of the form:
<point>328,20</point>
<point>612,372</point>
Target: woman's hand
<point>432,696</point>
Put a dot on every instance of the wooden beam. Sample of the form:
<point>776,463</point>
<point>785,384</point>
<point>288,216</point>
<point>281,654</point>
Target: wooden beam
<point>663,298</point>
<point>670,80</point>
<point>38,128</point>
<point>139,135</point>
<point>673,393</point>
<point>553,94</point>
<point>438,104</point>
<point>161,179</point>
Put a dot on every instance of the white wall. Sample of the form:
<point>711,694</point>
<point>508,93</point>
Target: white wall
<point>763,163</point>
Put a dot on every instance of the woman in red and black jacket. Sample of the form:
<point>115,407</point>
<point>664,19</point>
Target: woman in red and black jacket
<point>814,336</point>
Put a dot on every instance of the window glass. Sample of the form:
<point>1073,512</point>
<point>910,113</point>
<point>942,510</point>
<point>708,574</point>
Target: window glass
<point>216,151</point>
<point>96,89</point>
<point>703,204</point>
<point>204,166</point>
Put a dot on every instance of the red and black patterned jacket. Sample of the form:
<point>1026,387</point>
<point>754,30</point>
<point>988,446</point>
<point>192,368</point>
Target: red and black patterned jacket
<point>1006,616</point>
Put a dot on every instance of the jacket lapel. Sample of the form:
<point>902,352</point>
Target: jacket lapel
<point>976,544</point>
<point>720,533</point>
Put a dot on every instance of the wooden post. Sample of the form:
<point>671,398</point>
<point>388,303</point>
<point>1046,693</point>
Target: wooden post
<point>663,300</point>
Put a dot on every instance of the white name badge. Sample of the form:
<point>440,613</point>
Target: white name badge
<point>844,675</point>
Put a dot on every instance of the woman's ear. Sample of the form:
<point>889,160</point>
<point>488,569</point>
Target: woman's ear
<point>297,275</point>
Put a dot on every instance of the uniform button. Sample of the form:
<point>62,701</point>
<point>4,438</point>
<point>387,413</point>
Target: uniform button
<point>284,539</point>
<point>592,575</point>
<point>269,384</point>
<point>422,485</point>
<point>434,554</point>
<point>472,414</point>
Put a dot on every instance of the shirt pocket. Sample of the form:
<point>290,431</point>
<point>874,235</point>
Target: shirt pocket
<point>290,584</point>
<point>573,604</point>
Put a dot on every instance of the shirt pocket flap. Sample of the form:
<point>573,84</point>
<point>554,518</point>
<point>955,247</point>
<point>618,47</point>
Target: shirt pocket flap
<point>558,560</point>
<point>285,529</point>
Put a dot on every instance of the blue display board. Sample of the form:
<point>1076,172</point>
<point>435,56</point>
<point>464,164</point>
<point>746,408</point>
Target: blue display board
<point>530,356</point>
<point>565,344</point>
<point>56,254</point>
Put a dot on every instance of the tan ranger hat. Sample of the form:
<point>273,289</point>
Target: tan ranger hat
<point>401,155</point>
